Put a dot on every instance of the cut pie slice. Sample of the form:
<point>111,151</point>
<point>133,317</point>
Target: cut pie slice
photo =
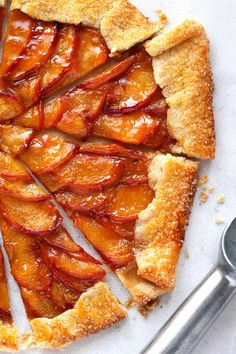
<point>132,206</point>
<point>8,331</point>
<point>128,105</point>
<point>56,276</point>
<point>51,51</point>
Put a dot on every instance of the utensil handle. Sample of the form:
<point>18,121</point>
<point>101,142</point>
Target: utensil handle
<point>193,318</point>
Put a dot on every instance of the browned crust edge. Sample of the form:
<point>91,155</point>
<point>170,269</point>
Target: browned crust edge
<point>121,24</point>
<point>161,226</point>
<point>95,310</point>
<point>182,69</point>
<point>8,337</point>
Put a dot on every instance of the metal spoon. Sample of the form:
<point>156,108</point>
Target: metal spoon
<point>186,327</point>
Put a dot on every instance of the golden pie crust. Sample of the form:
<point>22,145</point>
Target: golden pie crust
<point>95,310</point>
<point>8,337</point>
<point>182,69</point>
<point>160,228</point>
<point>121,24</point>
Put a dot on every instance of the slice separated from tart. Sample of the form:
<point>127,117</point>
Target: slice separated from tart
<point>46,51</point>
<point>164,102</point>
<point>56,277</point>
<point>132,206</point>
<point>8,331</point>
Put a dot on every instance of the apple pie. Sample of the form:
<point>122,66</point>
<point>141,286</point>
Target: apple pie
<point>105,115</point>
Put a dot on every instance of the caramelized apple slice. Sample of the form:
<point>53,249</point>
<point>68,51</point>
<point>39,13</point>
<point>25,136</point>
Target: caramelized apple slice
<point>37,50</point>
<point>45,153</point>
<point>52,182</point>
<point>81,202</point>
<point>77,267</point>
<point>108,150</point>
<point>4,301</point>
<point>53,111</point>
<point>91,52</point>
<point>22,190</point>
<point>161,136</point>
<point>85,103</point>
<point>11,169</point>
<point>18,33</point>
<point>129,201</point>
<point>32,118</point>
<point>63,296</point>
<point>74,124</point>
<point>71,282</point>
<point>61,59</point>
<point>23,253</point>
<point>157,105</point>
<point>113,248</point>
<point>39,304</point>
<point>109,74</point>
<point>62,239</point>
<point>37,218</point>
<point>14,138</point>
<point>131,128</point>
<point>135,89</point>
<point>136,170</point>
<point>10,105</point>
<point>27,90</point>
<point>90,173</point>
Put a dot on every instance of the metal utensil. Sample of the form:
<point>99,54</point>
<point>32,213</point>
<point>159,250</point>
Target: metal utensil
<point>186,327</point>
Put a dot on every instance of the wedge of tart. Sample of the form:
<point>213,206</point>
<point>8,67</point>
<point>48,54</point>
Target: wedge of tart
<point>59,282</point>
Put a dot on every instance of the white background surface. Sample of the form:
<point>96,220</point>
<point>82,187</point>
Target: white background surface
<point>202,238</point>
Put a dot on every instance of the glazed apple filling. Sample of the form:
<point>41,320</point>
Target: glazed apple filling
<point>49,267</point>
<point>5,313</point>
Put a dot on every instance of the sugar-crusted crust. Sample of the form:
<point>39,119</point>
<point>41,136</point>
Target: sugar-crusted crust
<point>182,69</point>
<point>8,337</point>
<point>160,227</point>
<point>121,24</point>
<point>95,310</point>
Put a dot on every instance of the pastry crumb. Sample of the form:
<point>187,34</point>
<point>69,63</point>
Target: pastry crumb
<point>163,20</point>
<point>202,180</point>
<point>144,310</point>
<point>211,189</point>
<point>205,187</point>
<point>219,220</point>
<point>203,197</point>
<point>221,198</point>
<point>186,252</point>
<point>129,303</point>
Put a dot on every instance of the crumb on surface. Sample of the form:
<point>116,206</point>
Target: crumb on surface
<point>129,303</point>
<point>163,20</point>
<point>221,198</point>
<point>219,220</point>
<point>211,189</point>
<point>202,180</point>
<point>203,197</point>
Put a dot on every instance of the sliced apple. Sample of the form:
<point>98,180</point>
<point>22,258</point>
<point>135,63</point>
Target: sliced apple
<point>131,128</point>
<point>71,282</point>
<point>52,182</point>
<point>91,52</point>
<point>74,124</point>
<point>157,105</point>
<point>37,218</point>
<point>134,90</point>
<point>32,118</point>
<point>62,239</point>
<point>28,90</point>
<point>12,169</point>
<point>53,111</point>
<point>23,253</point>
<point>4,300</point>
<point>161,137</point>
<point>10,105</point>
<point>124,229</point>
<point>47,152</point>
<point>39,305</point>
<point>37,50</point>
<point>90,173</point>
<point>76,267</point>
<point>114,249</point>
<point>110,74</point>
<point>15,138</point>
<point>81,202</point>
<point>23,190</point>
<point>18,33</point>
<point>63,296</point>
<point>115,150</point>
<point>136,170</point>
<point>61,59</point>
<point>129,201</point>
